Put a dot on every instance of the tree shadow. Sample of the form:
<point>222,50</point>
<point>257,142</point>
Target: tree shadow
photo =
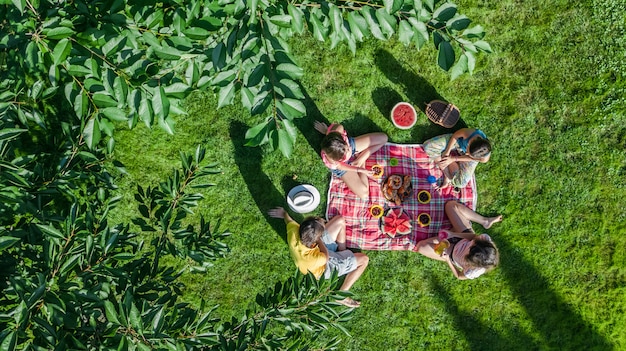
<point>418,91</point>
<point>559,326</point>
<point>264,193</point>
<point>305,124</point>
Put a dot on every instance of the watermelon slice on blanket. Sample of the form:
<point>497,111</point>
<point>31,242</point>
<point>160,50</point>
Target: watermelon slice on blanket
<point>396,222</point>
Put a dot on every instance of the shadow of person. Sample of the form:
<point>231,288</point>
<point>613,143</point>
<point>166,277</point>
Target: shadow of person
<point>248,160</point>
<point>479,336</point>
<point>557,322</point>
<point>558,326</point>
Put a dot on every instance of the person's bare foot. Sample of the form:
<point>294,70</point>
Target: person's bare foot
<point>349,302</point>
<point>491,220</point>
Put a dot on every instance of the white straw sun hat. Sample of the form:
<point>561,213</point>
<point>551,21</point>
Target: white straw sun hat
<point>303,198</point>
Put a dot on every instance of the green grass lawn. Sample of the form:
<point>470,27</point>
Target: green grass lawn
<point>552,100</point>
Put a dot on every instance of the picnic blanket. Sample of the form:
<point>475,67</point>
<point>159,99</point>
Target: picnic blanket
<point>363,230</point>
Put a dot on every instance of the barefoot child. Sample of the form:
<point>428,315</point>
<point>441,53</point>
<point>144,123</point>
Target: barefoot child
<point>469,255</point>
<point>346,156</point>
<point>320,248</point>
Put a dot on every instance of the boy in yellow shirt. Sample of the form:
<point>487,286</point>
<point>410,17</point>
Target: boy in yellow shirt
<point>320,248</point>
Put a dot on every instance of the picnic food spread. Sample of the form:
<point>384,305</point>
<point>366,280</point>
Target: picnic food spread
<point>397,188</point>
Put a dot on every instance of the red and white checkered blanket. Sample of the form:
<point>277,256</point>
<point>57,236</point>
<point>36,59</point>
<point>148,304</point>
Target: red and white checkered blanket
<point>363,231</point>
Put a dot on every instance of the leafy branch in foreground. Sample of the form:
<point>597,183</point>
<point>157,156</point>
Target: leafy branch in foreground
<point>120,61</point>
<point>73,280</point>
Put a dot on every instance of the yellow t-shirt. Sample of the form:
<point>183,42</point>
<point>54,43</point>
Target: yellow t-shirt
<point>306,259</point>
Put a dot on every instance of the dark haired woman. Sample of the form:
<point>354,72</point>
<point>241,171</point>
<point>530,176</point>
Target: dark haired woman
<point>458,154</point>
<point>469,255</point>
<point>345,156</point>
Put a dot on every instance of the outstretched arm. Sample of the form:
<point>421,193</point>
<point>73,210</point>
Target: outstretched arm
<point>323,127</point>
<point>280,212</point>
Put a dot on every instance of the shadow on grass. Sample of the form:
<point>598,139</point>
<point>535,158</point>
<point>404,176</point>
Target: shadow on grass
<point>558,325</point>
<point>419,93</point>
<point>260,186</point>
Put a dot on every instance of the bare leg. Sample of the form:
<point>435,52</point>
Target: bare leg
<point>367,144</point>
<point>358,183</point>
<point>361,262</point>
<point>462,217</point>
<point>336,228</point>
<point>427,248</point>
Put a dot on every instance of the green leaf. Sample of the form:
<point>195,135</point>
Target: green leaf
<point>285,143</point>
<point>80,104</point>
<point>58,33</point>
<point>61,51</point>
<point>474,32</point>
<point>369,13</point>
<point>70,264</point>
<point>445,12</point>
<point>167,52</point>
<point>7,241</point>
<point>420,32</point>
<point>482,45</point>
<point>145,112</point>
<point>113,45</point>
<point>197,33</point>
<point>392,6</point>
<point>177,89</point>
<point>459,68</point>
<point>298,18</point>
<point>257,135</point>
<point>36,89</point>
<point>358,25</point>
<point>387,22</point>
<point>120,88</point>
<point>471,61</point>
<point>50,231</point>
<point>445,59</point>
<point>111,313</point>
<point>160,103</point>
<point>218,56</point>
<point>289,88</point>
<point>283,21</point>
<point>290,70</point>
<point>224,78</point>
<point>167,125</point>
<point>103,99</point>
<point>10,340</point>
<point>10,133</point>
<point>226,95</point>
<point>91,133</point>
<point>291,108</point>
<point>21,5</point>
<point>78,70</point>
<point>291,129</point>
<point>247,97</point>
<point>405,32</point>
<point>319,31</point>
<point>459,22</point>
<point>114,114</point>
<point>256,75</point>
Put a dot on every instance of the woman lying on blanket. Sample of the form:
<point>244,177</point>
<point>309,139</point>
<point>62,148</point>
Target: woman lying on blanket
<point>458,154</point>
<point>346,156</point>
<point>469,255</point>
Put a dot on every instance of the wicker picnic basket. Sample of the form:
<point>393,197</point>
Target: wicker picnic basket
<point>442,113</point>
